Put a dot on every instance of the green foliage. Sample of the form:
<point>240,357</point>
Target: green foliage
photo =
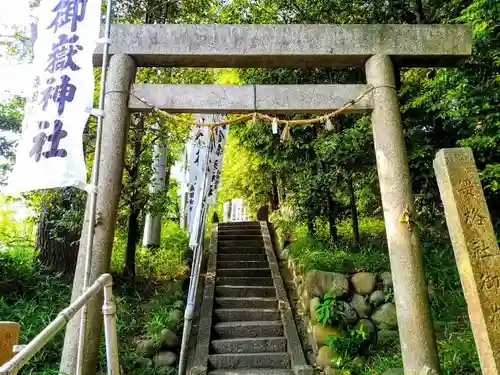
<point>327,311</point>
<point>349,345</point>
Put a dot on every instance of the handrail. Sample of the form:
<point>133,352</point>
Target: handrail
<point>105,282</point>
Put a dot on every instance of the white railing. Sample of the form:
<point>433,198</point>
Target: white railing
<point>105,282</point>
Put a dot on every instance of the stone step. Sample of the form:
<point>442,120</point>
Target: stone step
<point>252,371</point>
<point>244,272</point>
<point>242,264</point>
<point>237,224</point>
<point>251,360</point>
<point>246,303</point>
<point>244,291</point>
<point>251,230</point>
<point>241,236</point>
<point>232,330</point>
<point>240,243</point>
<point>242,257</point>
<point>246,314</point>
<point>262,281</point>
<point>259,250</point>
<point>249,345</point>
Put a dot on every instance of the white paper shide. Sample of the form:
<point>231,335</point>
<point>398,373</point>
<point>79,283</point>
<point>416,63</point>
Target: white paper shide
<point>50,151</point>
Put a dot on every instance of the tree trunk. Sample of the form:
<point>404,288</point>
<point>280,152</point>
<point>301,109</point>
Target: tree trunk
<point>310,225</point>
<point>132,239</point>
<point>354,212</point>
<point>331,217</point>
<point>275,203</point>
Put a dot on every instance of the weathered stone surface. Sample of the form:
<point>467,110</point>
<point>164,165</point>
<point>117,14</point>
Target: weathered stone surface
<point>363,283</point>
<point>320,333</point>
<point>394,371</point>
<point>360,304</point>
<point>368,329</point>
<point>146,348</point>
<point>386,278</point>
<point>377,298</point>
<point>418,345</point>
<point>476,249</point>
<point>247,46</point>
<point>312,309</point>
<point>427,371</point>
<point>318,283</point>
<point>324,357</point>
<point>165,359</point>
<point>9,336</point>
<point>184,98</point>
<point>384,317</point>
<point>347,312</point>
<point>386,337</point>
<point>175,316</point>
<point>169,339</point>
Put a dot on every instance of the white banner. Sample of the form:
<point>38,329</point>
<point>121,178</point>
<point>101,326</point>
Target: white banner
<point>215,161</point>
<point>199,137</point>
<point>50,151</point>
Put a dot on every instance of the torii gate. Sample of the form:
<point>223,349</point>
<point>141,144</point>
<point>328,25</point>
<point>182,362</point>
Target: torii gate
<point>379,48</point>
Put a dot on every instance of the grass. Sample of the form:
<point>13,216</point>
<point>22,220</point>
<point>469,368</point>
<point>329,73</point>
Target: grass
<point>455,342</point>
<point>33,296</point>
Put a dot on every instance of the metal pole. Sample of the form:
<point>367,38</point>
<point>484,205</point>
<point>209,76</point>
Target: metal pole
<point>94,183</point>
<point>109,312</point>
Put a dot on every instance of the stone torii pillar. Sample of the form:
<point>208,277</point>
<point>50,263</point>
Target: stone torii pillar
<point>418,345</point>
<point>121,74</point>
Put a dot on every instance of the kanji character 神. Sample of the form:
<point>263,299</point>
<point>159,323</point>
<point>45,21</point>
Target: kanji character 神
<point>62,54</point>
<point>62,93</point>
<point>68,11</point>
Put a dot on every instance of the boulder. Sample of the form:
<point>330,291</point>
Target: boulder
<point>362,307</point>
<point>377,298</point>
<point>165,359</point>
<point>175,316</point>
<point>312,309</point>
<point>363,283</point>
<point>394,371</point>
<point>325,356</point>
<point>347,313</point>
<point>144,362</point>
<point>387,337</point>
<point>384,317</point>
<point>318,283</point>
<point>169,340</point>
<point>146,348</point>
<point>386,278</point>
<point>358,362</point>
<point>368,329</point>
<point>321,332</point>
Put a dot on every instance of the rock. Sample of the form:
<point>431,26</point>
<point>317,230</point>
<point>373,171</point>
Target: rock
<point>144,362</point>
<point>146,348</point>
<point>394,371</point>
<point>386,337</point>
<point>312,309</point>
<point>363,283</point>
<point>169,340</point>
<point>377,298</point>
<point>347,312</point>
<point>165,359</point>
<point>386,278</point>
<point>320,333</point>
<point>175,316</point>
<point>358,362</point>
<point>318,283</point>
<point>362,307</point>
<point>332,371</point>
<point>427,371</point>
<point>384,317</point>
<point>368,328</point>
<point>325,356</point>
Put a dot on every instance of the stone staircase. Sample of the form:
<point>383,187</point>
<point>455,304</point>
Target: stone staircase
<point>242,308</point>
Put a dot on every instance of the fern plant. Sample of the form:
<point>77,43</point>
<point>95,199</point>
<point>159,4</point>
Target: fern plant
<point>327,310</point>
